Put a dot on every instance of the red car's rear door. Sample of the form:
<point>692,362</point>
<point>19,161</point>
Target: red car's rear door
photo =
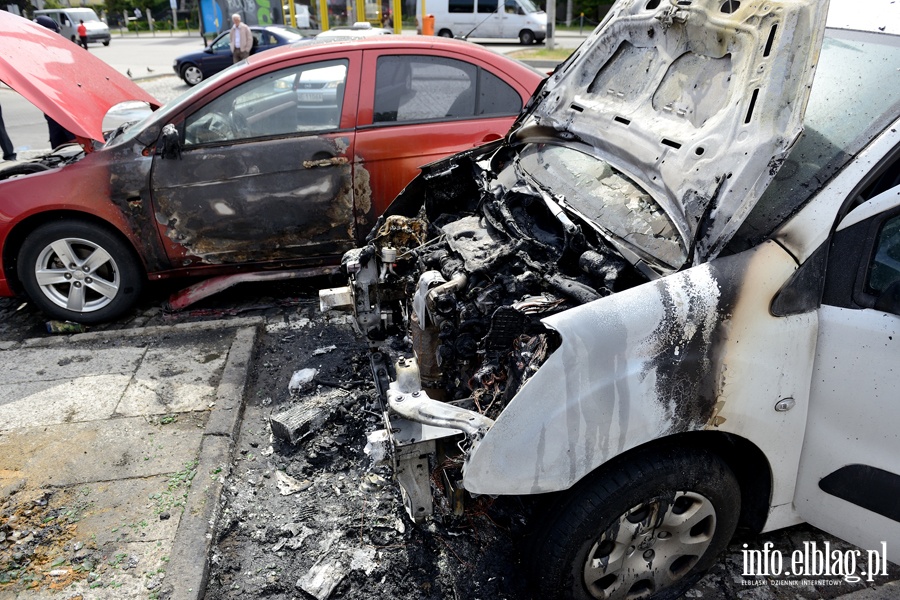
<point>423,105</point>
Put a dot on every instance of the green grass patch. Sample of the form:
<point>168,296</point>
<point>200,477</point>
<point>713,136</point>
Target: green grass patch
<point>542,54</point>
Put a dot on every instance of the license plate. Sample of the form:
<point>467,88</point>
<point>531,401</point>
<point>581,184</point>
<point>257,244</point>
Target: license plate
<point>310,97</point>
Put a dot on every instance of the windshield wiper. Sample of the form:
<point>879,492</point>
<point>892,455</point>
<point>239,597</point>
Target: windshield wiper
<point>557,207</point>
<point>552,203</point>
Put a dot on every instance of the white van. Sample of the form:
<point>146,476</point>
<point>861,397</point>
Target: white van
<point>487,19</point>
<point>68,18</point>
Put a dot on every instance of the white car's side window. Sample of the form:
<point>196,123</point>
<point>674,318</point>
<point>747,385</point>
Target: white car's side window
<point>886,263</point>
<point>884,272</point>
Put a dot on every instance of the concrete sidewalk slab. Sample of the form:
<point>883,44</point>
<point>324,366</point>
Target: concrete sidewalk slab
<point>113,451</point>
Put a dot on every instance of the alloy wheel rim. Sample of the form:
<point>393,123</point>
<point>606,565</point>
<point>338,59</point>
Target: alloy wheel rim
<point>77,274</point>
<point>193,75</point>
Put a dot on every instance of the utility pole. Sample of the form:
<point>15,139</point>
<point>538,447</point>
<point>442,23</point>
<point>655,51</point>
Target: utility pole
<point>551,23</point>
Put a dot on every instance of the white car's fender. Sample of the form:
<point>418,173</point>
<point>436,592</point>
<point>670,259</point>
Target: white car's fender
<point>696,350</point>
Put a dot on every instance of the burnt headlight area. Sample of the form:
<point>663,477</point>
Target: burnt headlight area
<point>470,291</point>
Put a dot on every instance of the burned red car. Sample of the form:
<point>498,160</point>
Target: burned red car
<point>280,162</point>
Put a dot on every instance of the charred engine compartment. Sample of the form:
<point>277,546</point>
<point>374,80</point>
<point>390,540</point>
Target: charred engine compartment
<point>60,157</point>
<point>469,272</point>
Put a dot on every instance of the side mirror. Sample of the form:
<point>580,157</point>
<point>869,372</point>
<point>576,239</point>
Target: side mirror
<point>889,299</point>
<point>169,144</point>
<point>208,50</point>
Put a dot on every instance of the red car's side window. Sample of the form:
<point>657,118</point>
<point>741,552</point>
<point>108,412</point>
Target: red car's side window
<point>413,88</point>
<point>305,98</point>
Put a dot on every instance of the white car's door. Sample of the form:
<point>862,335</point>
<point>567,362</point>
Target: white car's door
<point>849,477</point>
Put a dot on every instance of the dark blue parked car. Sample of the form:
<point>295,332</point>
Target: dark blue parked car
<point>197,66</point>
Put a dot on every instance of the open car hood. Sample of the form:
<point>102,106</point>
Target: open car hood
<point>697,101</point>
<point>65,81</point>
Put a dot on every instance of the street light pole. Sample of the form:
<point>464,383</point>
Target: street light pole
<point>551,23</point>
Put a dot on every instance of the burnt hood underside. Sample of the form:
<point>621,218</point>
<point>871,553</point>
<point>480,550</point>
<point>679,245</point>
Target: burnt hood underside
<point>697,101</point>
<point>66,82</point>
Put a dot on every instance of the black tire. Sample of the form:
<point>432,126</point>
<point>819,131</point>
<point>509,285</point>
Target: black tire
<point>445,33</point>
<point>106,43</point>
<point>82,291</point>
<point>22,169</point>
<point>526,37</point>
<point>638,517</point>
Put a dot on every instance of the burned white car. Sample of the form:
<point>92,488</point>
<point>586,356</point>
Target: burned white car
<point>667,295</point>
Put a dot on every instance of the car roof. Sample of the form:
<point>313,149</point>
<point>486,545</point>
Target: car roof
<point>255,28</point>
<point>388,42</point>
<point>66,82</point>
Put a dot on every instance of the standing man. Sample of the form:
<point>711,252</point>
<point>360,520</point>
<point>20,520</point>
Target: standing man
<point>240,39</point>
<point>9,151</point>
<point>82,34</point>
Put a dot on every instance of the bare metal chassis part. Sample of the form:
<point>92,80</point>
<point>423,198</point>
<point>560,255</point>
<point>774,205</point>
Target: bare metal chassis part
<point>412,434</point>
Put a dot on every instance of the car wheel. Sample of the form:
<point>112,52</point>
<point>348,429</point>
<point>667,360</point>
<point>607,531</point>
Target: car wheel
<point>446,33</point>
<point>191,74</point>
<point>106,43</point>
<point>22,169</point>
<point>648,528</point>
<point>77,271</point>
<point>526,37</point>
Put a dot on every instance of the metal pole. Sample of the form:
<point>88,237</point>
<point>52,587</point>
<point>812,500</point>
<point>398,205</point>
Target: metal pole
<point>397,16</point>
<point>323,14</point>
<point>551,23</point>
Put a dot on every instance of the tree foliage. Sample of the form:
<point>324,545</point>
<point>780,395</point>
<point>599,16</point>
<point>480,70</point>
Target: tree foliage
<point>159,8</point>
<point>594,10</point>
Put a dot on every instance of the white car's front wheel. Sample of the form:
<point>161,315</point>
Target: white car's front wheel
<point>646,528</point>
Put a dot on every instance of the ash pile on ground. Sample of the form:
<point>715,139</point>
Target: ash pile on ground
<point>313,520</point>
<point>35,538</point>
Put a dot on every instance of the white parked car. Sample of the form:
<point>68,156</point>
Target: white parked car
<point>667,296</point>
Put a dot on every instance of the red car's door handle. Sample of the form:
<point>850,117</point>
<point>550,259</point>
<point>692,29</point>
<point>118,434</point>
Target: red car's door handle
<point>326,162</point>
